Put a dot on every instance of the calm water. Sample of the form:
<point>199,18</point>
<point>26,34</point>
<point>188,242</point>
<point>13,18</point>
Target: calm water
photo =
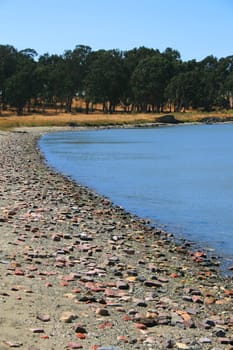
<point>181,176</point>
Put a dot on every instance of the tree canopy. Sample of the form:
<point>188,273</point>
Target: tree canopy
<point>141,79</point>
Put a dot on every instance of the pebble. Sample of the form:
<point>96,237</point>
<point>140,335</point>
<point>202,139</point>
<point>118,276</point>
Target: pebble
<point>122,285</point>
<point>108,348</point>
<point>68,317</point>
<point>78,328</point>
<point>37,330</point>
<point>102,312</point>
<point>74,345</point>
<point>43,318</point>
<point>205,340</point>
<point>13,344</point>
<point>182,346</point>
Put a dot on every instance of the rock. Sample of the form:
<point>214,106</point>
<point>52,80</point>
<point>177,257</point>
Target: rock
<point>129,251</point>
<point>149,319</point>
<point>168,119</point>
<point>13,344</point>
<point>182,346</point>
<point>80,335</point>
<point>164,319</point>
<point>122,285</point>
<point>108,348</point>
<point>152,284</point>
<point>102,312</point>
<point>37,330</point>
<point>220,333</point>
<point>43,318</point>
<point>207,324</point>
<point>74,345</point>
<point>223,340</point>
<point>68,317</point>
<point>140,302</point>
<point>168,343</point>
<point>79,328</point>
<point>140,326</point>
<point>205,340</point>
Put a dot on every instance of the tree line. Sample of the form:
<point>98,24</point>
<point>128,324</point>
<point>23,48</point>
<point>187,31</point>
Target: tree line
<point>138,80</point>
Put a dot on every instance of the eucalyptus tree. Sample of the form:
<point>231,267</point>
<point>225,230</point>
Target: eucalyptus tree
<point>131,60</point>
<point>227,92</point>
<point>105,79</point>
<point>209,88</point>
<point>51,77</point>
<point>20,87</point>
<point>148,82</point>
<point>183,90</point>
<point>8,63</point>
<point>224,74</point>
<point>75,68</point>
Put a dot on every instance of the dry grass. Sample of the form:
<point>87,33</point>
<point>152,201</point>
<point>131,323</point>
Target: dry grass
<point>96,119</point>
<point>63,119</point>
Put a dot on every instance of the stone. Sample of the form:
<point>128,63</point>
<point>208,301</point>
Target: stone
<point>205,340</point>
<point>182,346</point>
<point>122,285</point>
<point>152,284</point>
<point>220,333</point>
<point>108,348</point>
<point>102,312</point>
<point>13,344</point>
<point>43,318</point>
<point>149,319</point>
<point>78,328</point>
<point>224,340</point>
<point>37,330</point>
<point>74,345</point>
<point>168,343</point>
<point>68,317</point>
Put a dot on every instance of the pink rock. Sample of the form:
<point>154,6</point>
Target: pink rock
<point>74,345</point>
<point>12,344</point>
<point>43,318</point>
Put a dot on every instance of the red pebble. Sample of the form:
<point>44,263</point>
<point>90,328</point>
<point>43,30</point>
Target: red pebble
<point>140,326</point>
<point>80,335</point>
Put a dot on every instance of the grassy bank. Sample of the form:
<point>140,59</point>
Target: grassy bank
<point>63,119</point>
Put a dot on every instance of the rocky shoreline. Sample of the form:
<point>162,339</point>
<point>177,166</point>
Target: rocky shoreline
<point>77,272</point>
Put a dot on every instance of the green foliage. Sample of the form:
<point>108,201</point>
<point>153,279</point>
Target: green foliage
<point>140,80</point>
<point>105,79</point>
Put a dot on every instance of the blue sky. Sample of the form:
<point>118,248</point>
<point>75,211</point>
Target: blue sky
<point>196,28</point>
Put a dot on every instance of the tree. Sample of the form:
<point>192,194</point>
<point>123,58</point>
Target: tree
<point>8,63</point>
<point>224,73</point>
<point>75,67</point>
<point>51,77</point>
<point>209,83</point>
<point>105,79</point>
<point>19,86</point>
<point>183,90</point>
<point>149,80</point>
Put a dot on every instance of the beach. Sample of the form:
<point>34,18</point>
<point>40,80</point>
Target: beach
<point>77,272</point>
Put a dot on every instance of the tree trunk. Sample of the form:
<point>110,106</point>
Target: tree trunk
<point>87,107</point>
<point>19,110</point>
<point>69,104</point>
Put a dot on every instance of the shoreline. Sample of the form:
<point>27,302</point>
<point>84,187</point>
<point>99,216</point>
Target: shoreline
<point>222,261</point>
<point>78,272</point>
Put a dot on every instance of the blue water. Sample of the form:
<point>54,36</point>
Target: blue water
<point>180,176</point>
